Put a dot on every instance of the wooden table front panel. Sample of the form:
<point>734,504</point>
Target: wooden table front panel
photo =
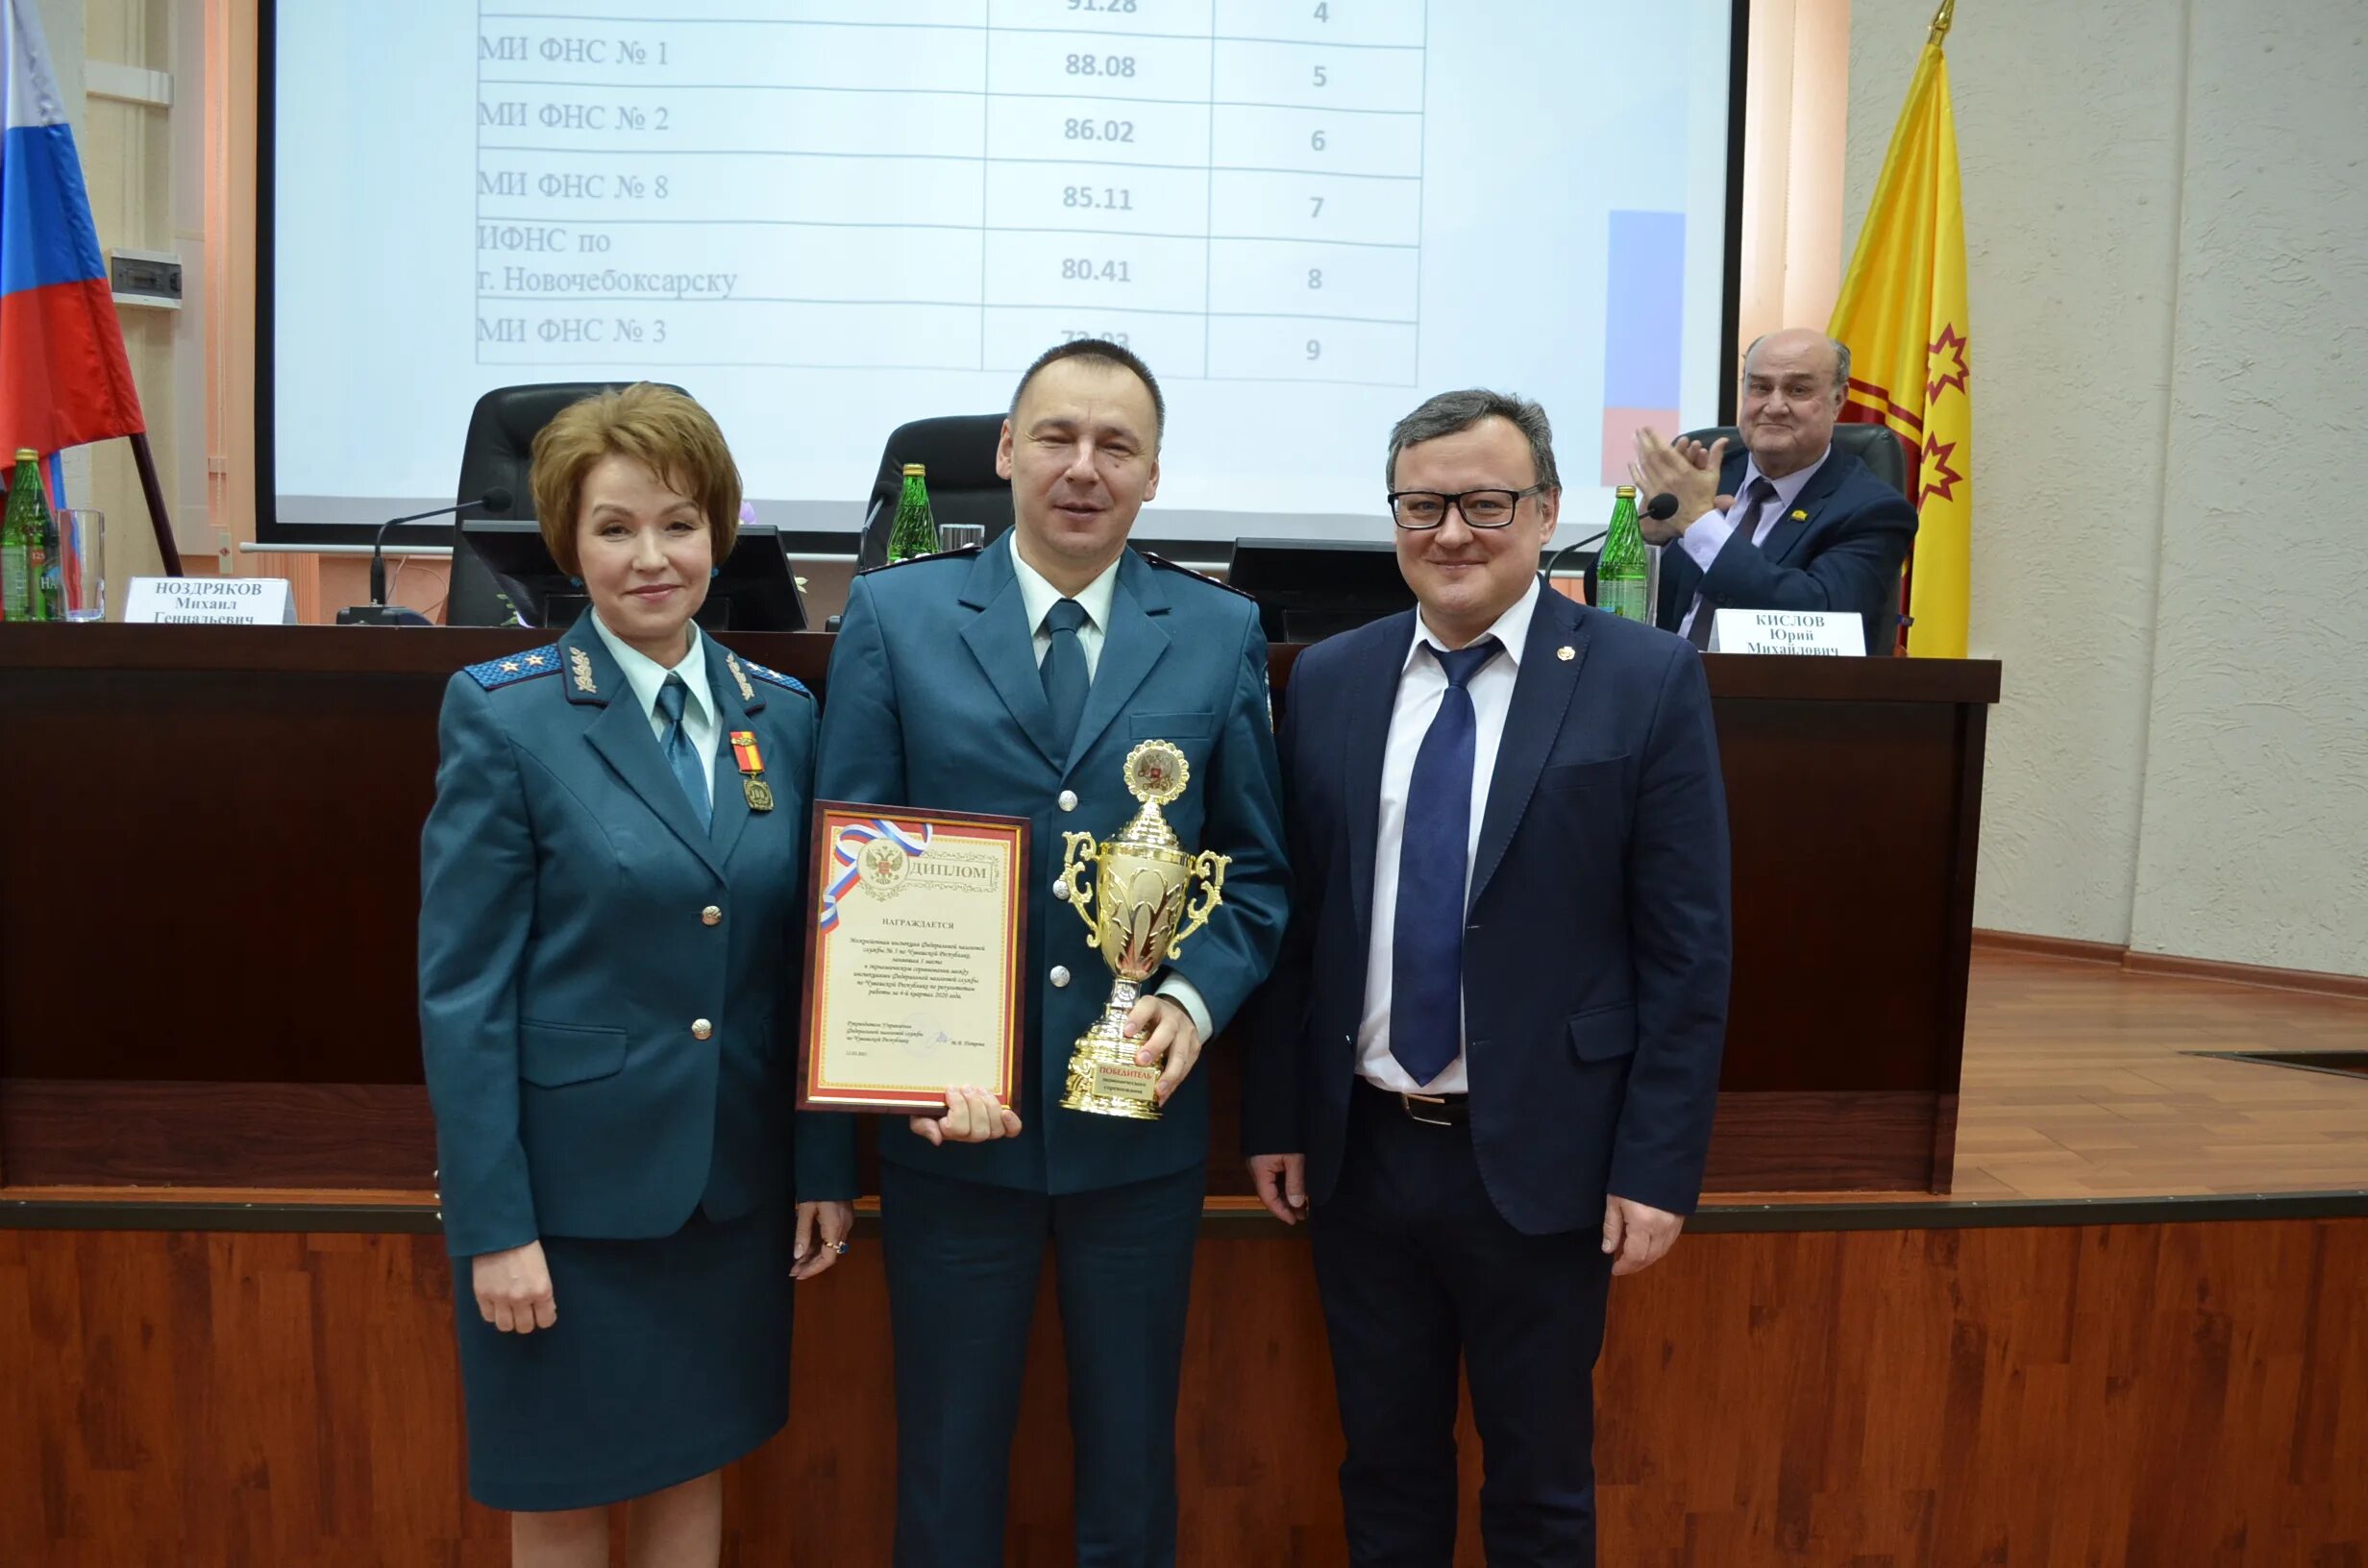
<point>208,922</point>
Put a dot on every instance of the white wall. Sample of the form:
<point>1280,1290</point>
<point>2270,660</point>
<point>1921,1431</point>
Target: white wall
<point>2167,239</point>
<point>131,166</point>
<point>2254,837</point>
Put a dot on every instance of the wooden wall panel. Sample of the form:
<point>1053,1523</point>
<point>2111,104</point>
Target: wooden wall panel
<point>74,1131</point>
<point>2147,1394</point>
<point>301,972</point>
<point>1811,1141</point>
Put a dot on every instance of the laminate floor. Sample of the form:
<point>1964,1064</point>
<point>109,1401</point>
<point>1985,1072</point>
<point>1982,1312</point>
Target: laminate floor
<point>2081,1081</point>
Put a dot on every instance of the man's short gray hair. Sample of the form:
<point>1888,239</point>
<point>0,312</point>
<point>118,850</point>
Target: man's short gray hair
<point>1841,363</point>
<point>1451,412</point>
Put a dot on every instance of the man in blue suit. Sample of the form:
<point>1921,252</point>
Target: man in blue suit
<point>1015,680</point>
<point>1490,1050</point>
<point>1786,524</point>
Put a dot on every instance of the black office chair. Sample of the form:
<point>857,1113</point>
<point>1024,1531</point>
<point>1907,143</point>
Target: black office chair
<point>958,449</point>
<point>498,451</point>
<point>1876,446</point>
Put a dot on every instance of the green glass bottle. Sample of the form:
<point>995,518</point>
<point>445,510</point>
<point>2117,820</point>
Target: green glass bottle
<point>24,543</point>
<point>50,579</point>
<point>915,532</point>
<point>1619,570</point>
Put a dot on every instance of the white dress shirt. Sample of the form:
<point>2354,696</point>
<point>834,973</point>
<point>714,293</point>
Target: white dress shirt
<point>1037,597</point>
<point>644,676</point>
<point>1421,684</point>
<point>1709,532</point>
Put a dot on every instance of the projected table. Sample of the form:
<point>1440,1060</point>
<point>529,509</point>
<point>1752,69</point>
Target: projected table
<point>1232,187</point>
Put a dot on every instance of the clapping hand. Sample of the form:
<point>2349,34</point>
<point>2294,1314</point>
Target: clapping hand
<point>1685,469</point>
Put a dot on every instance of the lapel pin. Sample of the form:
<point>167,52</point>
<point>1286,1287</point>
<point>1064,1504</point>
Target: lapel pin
<point>1565,652</point>
<point>1800,516</point>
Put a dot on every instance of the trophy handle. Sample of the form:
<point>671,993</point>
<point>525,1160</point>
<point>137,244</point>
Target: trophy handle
<point>1077,850</point>
<point>1210,867</point>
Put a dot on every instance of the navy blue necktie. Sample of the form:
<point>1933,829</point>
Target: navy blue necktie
<point>688,772</point>
<point>1064,672</point>
<point>1426,974</point>
<point>1747,522</point>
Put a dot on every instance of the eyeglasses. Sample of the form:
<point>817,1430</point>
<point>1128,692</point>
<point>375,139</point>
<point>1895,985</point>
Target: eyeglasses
<point>1419,509</point>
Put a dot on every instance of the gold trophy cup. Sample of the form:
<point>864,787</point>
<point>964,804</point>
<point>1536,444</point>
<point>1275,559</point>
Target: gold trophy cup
<point>1135,912</point>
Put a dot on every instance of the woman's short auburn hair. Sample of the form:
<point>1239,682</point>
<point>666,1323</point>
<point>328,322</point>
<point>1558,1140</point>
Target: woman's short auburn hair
<point>664,429</point>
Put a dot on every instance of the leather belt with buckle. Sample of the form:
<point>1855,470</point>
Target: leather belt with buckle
<point>1431,1110</point>
<point>1437,1110</point>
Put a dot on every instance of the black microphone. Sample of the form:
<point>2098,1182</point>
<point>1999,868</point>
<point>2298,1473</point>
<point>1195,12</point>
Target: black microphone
<point>1660,509</point>
<point>377,612</point>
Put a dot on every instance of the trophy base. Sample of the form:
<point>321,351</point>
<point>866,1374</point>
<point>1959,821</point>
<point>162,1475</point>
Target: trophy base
<point>1104,1078</point>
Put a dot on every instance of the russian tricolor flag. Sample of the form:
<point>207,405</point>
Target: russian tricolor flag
<point>63,378</point>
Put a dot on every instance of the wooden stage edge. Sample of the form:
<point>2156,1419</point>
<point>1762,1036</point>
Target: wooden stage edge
<point>342,1212</point>
<point>79,1132</point>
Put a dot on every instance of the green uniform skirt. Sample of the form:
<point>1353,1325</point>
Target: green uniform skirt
<point>670,1358</point>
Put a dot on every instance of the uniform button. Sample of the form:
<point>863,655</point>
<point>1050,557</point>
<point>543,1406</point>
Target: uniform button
<point>1059,975</point>
<point>1060,888</point>
<point>1068,799</point>
<point>700,1028</point>
<point>711,915</point>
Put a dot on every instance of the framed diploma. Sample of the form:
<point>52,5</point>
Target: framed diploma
<point>912,978</point>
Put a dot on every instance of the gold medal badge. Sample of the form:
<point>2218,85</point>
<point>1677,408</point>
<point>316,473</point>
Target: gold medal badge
<point>751,769</point>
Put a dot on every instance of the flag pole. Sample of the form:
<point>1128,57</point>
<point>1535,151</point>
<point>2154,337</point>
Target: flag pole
<point>154,489</point>
<point>1941,18</point>
<point>1907,569</point>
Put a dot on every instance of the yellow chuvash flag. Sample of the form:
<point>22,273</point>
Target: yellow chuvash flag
<point>1902,312</point>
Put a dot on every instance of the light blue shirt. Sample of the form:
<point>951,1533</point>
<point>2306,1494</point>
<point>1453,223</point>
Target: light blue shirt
<point>1039,597</point>
<point>644,676</point>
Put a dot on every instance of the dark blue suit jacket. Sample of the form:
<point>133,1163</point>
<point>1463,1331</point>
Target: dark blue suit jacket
<point>564,958</point>
<point>935,699</point>
<point>1597,942</point>
<point>1837,547</point>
